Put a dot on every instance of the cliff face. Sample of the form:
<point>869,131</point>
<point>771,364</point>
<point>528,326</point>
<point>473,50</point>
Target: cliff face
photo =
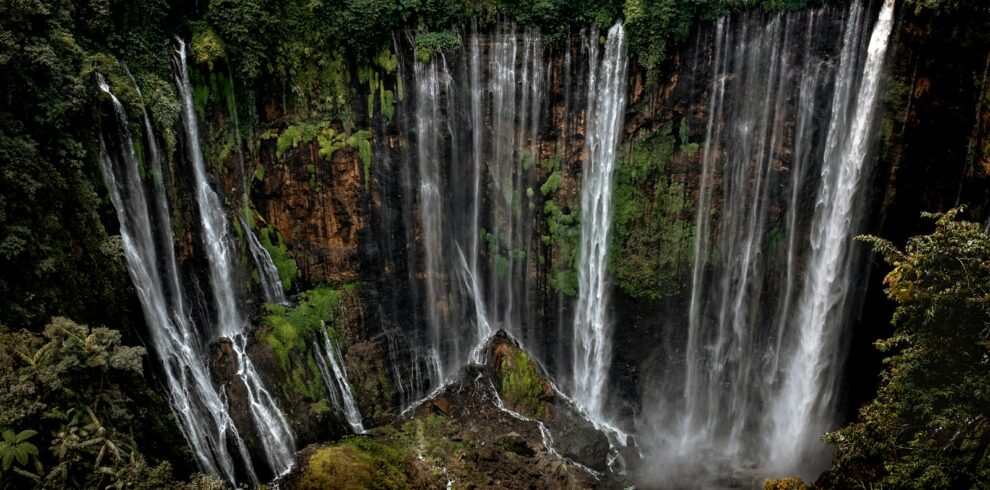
<point>334,191</point>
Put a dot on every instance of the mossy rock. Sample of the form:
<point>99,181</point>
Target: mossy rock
<point>520,384</point>
<point>355,463</point>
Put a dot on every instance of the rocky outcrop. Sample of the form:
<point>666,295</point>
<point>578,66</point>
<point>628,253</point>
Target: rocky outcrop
<point>466,434</point>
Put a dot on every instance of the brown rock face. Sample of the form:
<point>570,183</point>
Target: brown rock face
<point>318,205</point>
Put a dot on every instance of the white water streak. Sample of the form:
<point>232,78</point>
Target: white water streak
<point>807,396</point>
<point>604,119</point>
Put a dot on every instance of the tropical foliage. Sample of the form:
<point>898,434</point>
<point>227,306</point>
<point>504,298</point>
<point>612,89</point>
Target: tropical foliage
<point>928,426</point>
<point>70,400</point>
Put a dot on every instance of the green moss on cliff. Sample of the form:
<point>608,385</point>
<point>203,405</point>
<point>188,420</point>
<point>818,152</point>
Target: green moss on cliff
<point>355,463</point>
<point>290,333</point>
<point>499,251</point>
<point>361,140</point>
<point>654,228</point>
<point>414,455</point>
<point>565,235</point>
<point>328,139</point>
<point>272,240</point>
<point>520,384</point>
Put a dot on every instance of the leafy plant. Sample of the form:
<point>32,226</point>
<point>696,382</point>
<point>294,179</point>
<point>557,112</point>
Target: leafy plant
<point>15,448</point>
<point>929,425</point>
<point>430,43</point>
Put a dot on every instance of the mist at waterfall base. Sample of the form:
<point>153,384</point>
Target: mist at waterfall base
<point>754,380</point>
<point>747,375</point>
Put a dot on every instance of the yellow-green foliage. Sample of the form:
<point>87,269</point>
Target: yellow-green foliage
<point>163,104</point>
<point>564,232</point>
<point>429,43</point>
<point>386,459</point>
<point>296,327</point>
<point>522,387</point>
<point>206,46</point>
<point>292,136</point>
<point>499,252</point>
<point>213,97</point>
<point>361,140</point>
<point>387,60</point>
<point>328,139</point>
<point>787,483</point>
<point>565,235</point>
<point>356,463</point>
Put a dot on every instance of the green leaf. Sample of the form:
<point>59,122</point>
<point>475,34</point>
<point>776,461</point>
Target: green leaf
<point>25,435</point>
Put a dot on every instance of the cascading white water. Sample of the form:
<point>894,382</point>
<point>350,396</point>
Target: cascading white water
<point>271,283</point>
<point>604,119</point>
<point>804,408</point>
<point>335,379</point>
<point>468,297</point>
<point>752,381</point>
<point>200,409</point>
<point>428,80</point>
<point>274,433</point>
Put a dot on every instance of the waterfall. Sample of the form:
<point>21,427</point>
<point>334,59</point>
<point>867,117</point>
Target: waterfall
<point>804,409</point>
<point>752,380</point>
<point>335,379</point>
<point>428,80</point>
<point>604,119</point>
<point>271,284</point>
<point>475,131</point>
<point>200,409</point>
<point>274,433</point>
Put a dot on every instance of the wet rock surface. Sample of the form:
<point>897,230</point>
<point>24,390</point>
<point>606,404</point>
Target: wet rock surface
<point>464,435</point>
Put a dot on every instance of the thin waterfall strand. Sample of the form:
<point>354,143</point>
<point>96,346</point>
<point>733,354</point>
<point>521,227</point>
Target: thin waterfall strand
<point>271,283</point>
<point>347,406</point>
<point>604,119</point>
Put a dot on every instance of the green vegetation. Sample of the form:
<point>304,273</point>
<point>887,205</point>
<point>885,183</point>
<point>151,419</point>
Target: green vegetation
<point>290,332</point>
<point>654,229</point>
<point>564,230</point>
<point>356,463</point>
<point>928,426</point>
<point>272,240</point>
<point>369,373</point>
<point>785,484</point>
<point>69,400</point>
<point>520,384</point>
<point>431,43</point>
<point>206,46</point>
<point>410,456</point>
<point>498,250</point>
<point>328,139</point>
<point>292,329</point>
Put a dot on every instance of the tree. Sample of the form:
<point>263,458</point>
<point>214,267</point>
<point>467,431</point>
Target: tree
<point>929,425</point>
